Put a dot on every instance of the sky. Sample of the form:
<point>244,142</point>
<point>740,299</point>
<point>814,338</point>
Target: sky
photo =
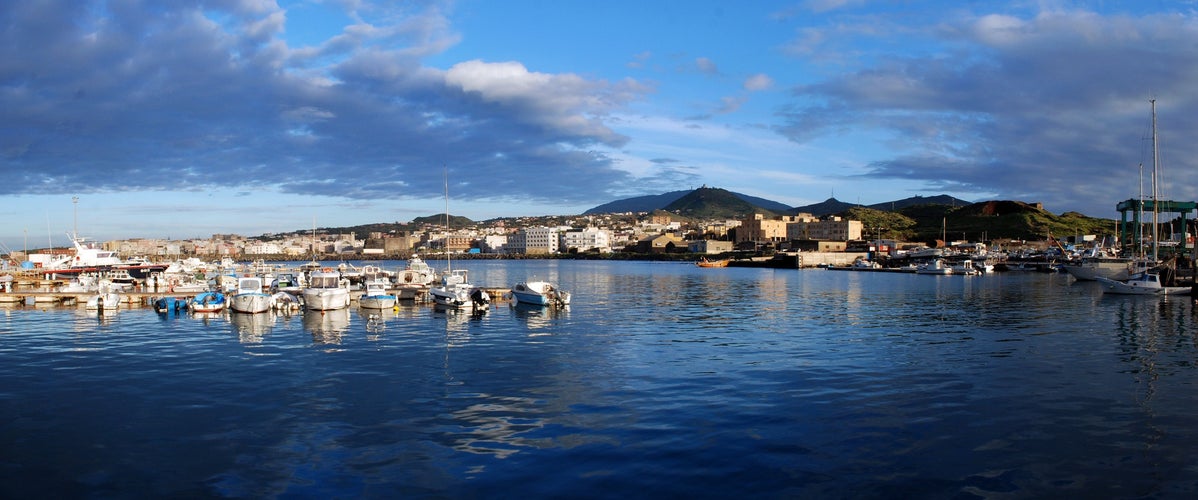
<point>182,119</point>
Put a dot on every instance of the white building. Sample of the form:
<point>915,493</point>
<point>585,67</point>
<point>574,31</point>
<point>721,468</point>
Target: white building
<point>584,240</point>
<point>534,241</point>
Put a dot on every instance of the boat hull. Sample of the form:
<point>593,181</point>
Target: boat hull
<point>251,303</point>
<point>377,301</point>
<point>326,299</point>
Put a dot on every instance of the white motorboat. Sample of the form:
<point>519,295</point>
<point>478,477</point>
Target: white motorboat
<point>966,268</point>
<point>1141,284</point>
<point>935,266</point>
<point>416,274</point>
<point>106,300</point>
<point>456,291</point>
<point>326,291</point>
<point>540,293</point>
<point>249,297</point>
<point>376,296</point>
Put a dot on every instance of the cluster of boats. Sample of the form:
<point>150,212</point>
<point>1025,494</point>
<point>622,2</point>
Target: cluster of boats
<point>258,288</point>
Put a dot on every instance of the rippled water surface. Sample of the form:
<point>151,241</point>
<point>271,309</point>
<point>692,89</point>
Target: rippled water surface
<point>662,379</point>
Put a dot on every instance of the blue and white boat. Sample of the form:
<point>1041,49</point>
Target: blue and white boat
<point>207,302</point>
<point>540,293</point>
<point>249,297</point>
<point>376,296</point>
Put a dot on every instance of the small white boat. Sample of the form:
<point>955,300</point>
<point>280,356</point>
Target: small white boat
<point>965,267</point>
<point>207,302</point>
<point>106,300</point>
<point>1140,284</point>
<point>936,266</point>
<point>249,297</point>
<point>456,291</point>
<point>540,293</point>
<point>416,274</point>
<point>376,296</point>
<point>326,291</point>
<point>285,301</point>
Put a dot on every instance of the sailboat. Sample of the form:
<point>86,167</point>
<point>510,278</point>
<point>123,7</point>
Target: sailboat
<point>1099,264</point>
<point>455,290</point>
<point>1145,280</point>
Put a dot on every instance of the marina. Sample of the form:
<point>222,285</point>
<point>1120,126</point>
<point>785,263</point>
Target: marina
<point>739,381</point>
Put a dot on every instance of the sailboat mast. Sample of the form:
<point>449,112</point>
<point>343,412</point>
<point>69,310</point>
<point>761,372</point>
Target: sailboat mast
<point>1140,218</point>
<point>1156,165</point>
<point>448,257</point>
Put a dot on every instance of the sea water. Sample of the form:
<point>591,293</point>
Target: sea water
<point>659,380</point>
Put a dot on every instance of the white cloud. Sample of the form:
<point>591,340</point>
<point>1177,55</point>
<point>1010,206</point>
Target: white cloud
<point>758,82</point>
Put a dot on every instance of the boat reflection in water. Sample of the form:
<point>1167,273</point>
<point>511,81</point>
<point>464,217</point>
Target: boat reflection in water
<point>538,317</point>
<point>326,327</point>
<point>251,328</point>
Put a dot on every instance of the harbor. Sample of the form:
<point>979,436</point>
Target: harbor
<point>772,377</point>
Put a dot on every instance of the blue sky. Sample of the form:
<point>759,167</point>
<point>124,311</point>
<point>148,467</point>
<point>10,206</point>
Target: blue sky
<point>186,118</point>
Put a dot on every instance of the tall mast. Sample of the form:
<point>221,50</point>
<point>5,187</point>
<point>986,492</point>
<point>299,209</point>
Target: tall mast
<point>448,256</point>
<point>1156,165</point>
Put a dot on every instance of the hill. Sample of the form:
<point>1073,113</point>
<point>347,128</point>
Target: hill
<point>827,207</point>
<point>713,203</point>
<point>984,221</point>
<point>943,199</point>
<point>660,201</point>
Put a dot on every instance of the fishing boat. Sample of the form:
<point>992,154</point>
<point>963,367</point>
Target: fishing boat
<point>249,297</point>
<point>207,302</point>
<point>326,291</point>
<point>376,296</point>
<point>416,274</point>
<point>455,290</point>
<point>1148,283</point>
<point>540,293</point>
<point>711,263</point>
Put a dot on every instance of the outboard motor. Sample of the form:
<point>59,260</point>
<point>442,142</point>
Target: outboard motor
<point>479,298</point>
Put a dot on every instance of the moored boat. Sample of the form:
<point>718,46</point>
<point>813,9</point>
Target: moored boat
<point>935,266</point>
<point>540,293</point>
<point>326,291</point>
<point>456,291</point>
<point>1148,283</point>
<point>165,305</point>
<point>711,263</point>
<point>416,274</point>
<point>207,302</point>
<point>249,297</point>
<point>376,296</point>
<point>105,300</point>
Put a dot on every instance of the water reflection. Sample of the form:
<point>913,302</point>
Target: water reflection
<point>326,327</point>
<point>497,426</point>
<point>539,317</point>
<point>251,328</point>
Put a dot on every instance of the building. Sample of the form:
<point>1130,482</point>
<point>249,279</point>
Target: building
<point>534,241</point>
<point>659,243</point>
<point>831,229</point>
<point>759,228</point>
<point>709,246</point>
<point>586,240</point>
